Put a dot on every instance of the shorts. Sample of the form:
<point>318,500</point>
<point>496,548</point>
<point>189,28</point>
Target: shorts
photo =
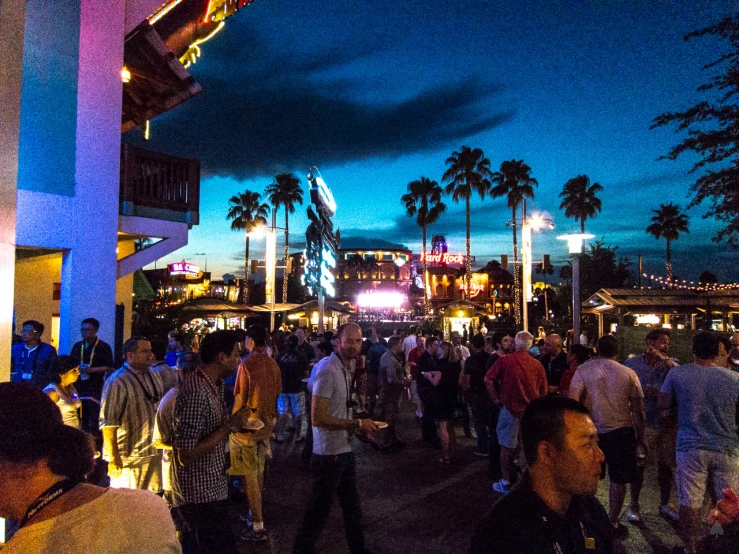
<point>694,467</point>
<point>294,401</point>
<point>508,429</point>
<point>661,445</point>
<point>140,473</point>
<point>247,458</point>
<point>619,447</point>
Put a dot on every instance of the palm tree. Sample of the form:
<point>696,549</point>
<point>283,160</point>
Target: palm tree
<point>668,223</point>
<point>246,212</point>
<point>514,181</point>
<point>469,171</point>
<point>424,201</point>
<point>285,191</point>
<point>579,201</point>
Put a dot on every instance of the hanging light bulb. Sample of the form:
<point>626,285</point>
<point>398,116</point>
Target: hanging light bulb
<point>125,74</point>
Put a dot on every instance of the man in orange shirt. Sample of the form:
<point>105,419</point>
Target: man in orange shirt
<point>258,384</point>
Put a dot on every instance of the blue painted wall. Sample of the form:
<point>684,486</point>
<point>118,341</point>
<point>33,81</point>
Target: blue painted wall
<point>49,97</point>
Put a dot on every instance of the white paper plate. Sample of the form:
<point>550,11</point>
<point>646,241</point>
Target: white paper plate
<point>380,424</point>
<point>254,425</point>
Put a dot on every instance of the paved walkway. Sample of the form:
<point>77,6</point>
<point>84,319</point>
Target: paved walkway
<point>412,503</point>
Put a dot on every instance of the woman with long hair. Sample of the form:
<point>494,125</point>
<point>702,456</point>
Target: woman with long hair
<point>61,390</point>
<point>446,381</point>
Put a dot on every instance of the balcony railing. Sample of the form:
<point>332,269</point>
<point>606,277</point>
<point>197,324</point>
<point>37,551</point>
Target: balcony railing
<point>159,186</point>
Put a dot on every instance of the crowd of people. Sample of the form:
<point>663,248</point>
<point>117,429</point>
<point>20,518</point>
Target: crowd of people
<point>183,425</point>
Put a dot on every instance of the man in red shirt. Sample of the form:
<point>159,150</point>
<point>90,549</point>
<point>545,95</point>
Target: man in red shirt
<point>518,379</point>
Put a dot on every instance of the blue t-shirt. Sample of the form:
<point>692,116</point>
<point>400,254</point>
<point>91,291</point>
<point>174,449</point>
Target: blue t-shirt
<point>706,400</point>
<point>651,379</point>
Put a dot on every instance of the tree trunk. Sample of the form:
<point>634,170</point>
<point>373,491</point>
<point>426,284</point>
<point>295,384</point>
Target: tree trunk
<point>582,225</point>
<point>516,274</point>
<point>245,285</point>
<point>425,276</point>
<point>287,253</point>
<point>467,261</point>
<point>669,263</point>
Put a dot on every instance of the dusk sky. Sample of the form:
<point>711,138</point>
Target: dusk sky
<point>377,94</point>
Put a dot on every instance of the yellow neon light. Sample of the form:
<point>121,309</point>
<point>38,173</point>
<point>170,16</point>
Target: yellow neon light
<point>164,11</point>
<point>194,51</point>
<point>146,130</point>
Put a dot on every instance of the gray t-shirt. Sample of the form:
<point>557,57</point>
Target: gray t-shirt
<point>332,381</point>
<point>706,400</point>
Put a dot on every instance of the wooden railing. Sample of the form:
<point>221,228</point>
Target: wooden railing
<point>153,183</point>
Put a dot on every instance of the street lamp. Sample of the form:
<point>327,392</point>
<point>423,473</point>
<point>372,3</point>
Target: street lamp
<point>535,223</point>
<point>270,260</point>
<point>574,243</point>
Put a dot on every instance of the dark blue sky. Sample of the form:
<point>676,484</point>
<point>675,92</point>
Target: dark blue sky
<point>377,94</point>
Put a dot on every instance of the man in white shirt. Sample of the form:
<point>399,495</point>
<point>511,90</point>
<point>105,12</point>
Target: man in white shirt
<point>409,342</point>
<point>613,394</point>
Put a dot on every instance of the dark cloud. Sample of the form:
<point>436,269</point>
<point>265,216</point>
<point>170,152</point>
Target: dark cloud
<point>263,111</point>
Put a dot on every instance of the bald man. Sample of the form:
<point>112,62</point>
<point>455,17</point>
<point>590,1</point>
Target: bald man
<point>554,360</point>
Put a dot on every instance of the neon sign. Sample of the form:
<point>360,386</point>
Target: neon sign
<point>444,258</point>
<point>475,288</point>
<point>184,268</point>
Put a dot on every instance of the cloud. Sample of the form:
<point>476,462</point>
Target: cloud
<point>264,111</point>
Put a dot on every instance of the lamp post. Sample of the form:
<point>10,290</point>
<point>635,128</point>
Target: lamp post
<point>270,260</point>
<point>535,223</point>
<point>574,244</point>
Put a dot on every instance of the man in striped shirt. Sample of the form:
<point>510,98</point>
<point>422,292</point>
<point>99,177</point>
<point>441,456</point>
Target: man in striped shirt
<point>201,431</point>
<point>131,396</point>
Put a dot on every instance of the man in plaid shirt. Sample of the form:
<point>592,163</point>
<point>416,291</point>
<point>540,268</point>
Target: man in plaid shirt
<point>201,430</point>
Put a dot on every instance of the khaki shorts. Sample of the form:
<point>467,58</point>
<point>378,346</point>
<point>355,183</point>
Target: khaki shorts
<point>661,445</point>
<point>694,467</point>
<point>247,457</point>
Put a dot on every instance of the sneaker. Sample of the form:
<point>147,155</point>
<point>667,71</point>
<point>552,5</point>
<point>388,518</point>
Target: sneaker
<point>669,511</point>
<point>246,518</point>
<point>501,487</point>
<point>482,454</point>
<point>632,516</point>
<point>619,531</point>
<point>251,535</point>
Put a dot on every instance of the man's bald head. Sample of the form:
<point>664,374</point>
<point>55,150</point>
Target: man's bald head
<point>553,344</point>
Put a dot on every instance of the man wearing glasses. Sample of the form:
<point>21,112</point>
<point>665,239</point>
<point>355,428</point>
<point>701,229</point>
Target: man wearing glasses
<point>95,358</point>
<point>127,415</point>
<point>31,360</point>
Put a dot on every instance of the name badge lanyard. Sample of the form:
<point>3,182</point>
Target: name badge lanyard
<point>25,356</point>
<point>589,542</point>
<point>92,352</point>
<point>213,392</point>
<point>47,497</point>
<point>153,398</point>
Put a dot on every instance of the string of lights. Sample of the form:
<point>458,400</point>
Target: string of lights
<point>663,282</point>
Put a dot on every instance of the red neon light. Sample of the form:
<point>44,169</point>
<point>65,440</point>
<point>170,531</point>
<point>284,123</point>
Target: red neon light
<point>445,258</point>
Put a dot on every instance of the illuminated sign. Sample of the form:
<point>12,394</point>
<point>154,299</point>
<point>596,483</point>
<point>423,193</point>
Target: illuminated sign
<point>184,268</point>
<point>380,300</point>
<point>475,288</point>
<point>325,196</point>
<point>444,258</point>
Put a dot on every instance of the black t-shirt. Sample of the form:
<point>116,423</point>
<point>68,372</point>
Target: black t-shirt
<point>494,357</point>
<point>307,350</point>
<point>446,390</point>
<point>476,367</point>
<point>293,368</point>
<point>554,367</point>
<point>95,355</point>
<point>521,523</point>
<point>425,362</point>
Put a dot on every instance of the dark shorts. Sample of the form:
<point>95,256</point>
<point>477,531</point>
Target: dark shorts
<point>619,447</point>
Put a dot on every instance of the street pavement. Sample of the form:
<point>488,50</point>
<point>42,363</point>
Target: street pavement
<point>414,504</point>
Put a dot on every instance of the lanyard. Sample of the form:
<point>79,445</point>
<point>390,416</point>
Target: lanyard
<point>151,397</point>
<point>213,392</point>
<point>47,497</point>
<point>92,352</point>
<point>589,543</point>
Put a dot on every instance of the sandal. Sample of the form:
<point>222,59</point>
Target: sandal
<point>445,460</point>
